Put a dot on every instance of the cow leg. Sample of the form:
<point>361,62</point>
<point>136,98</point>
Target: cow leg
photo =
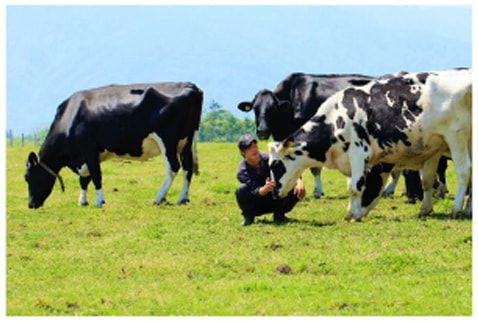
<point>356,184</point>
<point>94,168</point>
<point>413,186</point>
<point>374,182</point>
<point>187,165</point>
<point>468,209</point>
<point>462,159</point>
<point>84,181</point>
<point>390,189</point>
<point>318,192</point>
<point>172,167</point>
<point>440,184</point>
<point>428,173</point>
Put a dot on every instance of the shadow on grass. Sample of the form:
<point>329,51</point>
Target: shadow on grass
<point>382,218</point>
<point>342,197</point>
<point>445,216</point>
<point>433,216</point>
<point>313,223</point>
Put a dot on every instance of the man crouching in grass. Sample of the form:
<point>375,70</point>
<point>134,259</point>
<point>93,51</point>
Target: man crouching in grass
<point>254,195</point>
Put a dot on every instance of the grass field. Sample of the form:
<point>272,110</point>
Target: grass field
<point>131,258</point>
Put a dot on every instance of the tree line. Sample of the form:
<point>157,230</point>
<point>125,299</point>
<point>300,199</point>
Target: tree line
<point>220,125</point>
<point>217,125</point>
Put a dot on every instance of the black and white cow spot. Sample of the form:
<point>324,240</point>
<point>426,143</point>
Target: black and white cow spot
<point>278,170</point>
<point>340,122</point>
<point>360,183</point>
<point>394,101</point>
<point>346,146</point>
<point>319,137</point>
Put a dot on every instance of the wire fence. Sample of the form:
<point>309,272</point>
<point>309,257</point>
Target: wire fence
<point>22,139</point>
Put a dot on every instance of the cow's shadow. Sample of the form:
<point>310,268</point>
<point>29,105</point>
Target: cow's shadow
<point>445,216</point>
<point>313,222</point>
<point>339,197</point>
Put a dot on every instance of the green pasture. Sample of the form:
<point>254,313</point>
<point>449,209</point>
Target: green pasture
<point>130,258</point>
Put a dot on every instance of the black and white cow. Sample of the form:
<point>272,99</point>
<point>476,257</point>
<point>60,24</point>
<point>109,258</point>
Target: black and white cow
<point>136,122</point>
<point>295,100</point>
<point>407,121</point>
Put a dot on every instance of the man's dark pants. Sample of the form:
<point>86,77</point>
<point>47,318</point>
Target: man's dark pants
<point>253,206</point>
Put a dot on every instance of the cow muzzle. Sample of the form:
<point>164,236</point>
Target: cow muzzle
<point>34,205</point>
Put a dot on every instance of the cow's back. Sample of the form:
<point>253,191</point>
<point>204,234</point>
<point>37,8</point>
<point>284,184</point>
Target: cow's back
<point>307,92</point>
<point>447,102</point>
<point>101,103</point>
<point>406,116</point>
<point>118,118</point>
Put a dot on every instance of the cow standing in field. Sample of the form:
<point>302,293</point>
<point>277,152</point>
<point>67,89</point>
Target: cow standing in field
<point>407,121</point>
<point>294,101</point>
<point>136,122</point>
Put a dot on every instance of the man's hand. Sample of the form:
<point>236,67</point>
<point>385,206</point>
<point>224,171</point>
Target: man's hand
<point>268,187</point>
<point>299,189</point>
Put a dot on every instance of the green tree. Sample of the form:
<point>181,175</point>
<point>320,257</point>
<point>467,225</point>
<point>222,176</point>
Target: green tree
<point>219,125</point>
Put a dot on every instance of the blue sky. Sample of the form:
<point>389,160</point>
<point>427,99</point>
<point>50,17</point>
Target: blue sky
<point>230,52</point>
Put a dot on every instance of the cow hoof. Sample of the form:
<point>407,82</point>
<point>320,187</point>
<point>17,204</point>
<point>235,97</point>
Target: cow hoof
<point>424,213</point>
<point>183,202</point>
<point>318,194</point>
<point>162,201</point>
<point>100,204</point>
<point>460,214</point>
<point>456,215</point>
<point>411,201</point>
<point>356,220</point>
<point>83,204</point>
<point>348,217</point>
<point>387,193</point>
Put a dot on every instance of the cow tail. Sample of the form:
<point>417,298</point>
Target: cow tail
<point>198,109</point>
<point>195,154</point>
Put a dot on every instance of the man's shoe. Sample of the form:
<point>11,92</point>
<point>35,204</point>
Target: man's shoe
<point>247,221</point>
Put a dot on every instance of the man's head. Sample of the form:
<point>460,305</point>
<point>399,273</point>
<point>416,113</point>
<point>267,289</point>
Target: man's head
<point>249,150</point>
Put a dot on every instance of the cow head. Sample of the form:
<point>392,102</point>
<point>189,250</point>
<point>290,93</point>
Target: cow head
<point>40,182</point>
<point>272,115</point>
<point>287,161</point>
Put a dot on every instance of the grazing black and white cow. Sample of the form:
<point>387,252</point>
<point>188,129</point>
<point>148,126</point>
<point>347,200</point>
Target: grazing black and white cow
<point>407,121</point>
<point>294,101</point>
<point>136,122</point>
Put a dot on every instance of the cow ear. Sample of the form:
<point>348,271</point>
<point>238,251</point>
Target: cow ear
<point>32,159</point>
<point>245,106</point>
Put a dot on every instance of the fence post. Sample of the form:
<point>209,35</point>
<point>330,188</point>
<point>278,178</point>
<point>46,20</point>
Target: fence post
<point>10,135</point>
